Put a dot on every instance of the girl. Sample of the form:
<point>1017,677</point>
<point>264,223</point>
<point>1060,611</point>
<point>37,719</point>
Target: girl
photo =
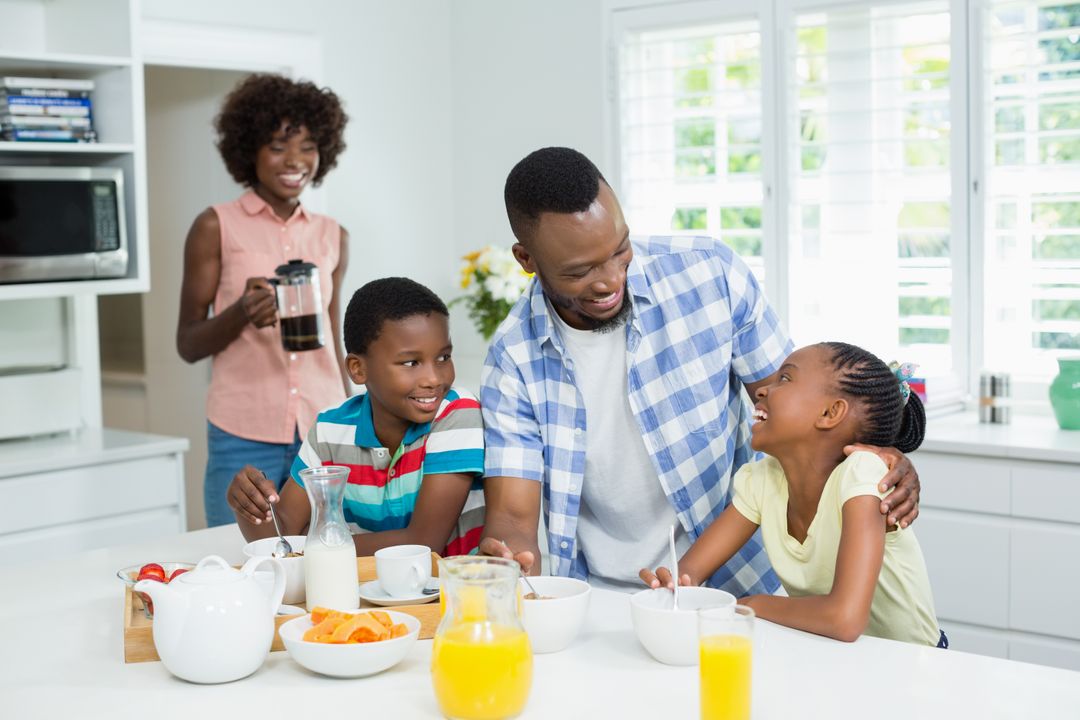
<point>276,137</point>
<point>845,572</point>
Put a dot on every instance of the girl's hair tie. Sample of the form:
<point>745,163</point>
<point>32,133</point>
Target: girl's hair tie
<point>903,373</point>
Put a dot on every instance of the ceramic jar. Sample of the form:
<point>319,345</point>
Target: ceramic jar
<point>1065,394</point>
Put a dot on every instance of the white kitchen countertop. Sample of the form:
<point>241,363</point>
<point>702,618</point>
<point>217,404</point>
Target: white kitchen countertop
<point>61,653</point>
<point>1027,437</point>
<point>89,446</point>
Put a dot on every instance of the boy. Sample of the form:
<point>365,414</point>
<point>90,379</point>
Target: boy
<point>413,443</point>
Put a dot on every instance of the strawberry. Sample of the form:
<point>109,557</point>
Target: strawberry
<point>152,571</point>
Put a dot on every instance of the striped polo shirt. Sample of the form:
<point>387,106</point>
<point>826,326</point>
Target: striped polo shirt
<point>383,484</point>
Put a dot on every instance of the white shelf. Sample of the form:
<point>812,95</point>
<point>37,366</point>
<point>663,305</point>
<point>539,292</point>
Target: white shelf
<point>14,62</point>
<point>69,148</point>
<point>117,286</point>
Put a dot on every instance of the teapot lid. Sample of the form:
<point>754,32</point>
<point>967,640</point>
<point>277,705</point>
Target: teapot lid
<point>211,570</point>
<point>295,267</point>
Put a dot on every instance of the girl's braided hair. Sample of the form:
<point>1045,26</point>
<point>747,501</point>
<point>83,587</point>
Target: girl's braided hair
<point>887,420</point>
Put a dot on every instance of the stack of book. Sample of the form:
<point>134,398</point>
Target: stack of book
<point>46,110</point>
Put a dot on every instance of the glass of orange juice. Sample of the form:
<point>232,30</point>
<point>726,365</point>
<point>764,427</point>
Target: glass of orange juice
<point>726,640</point>
<point>481,660</point>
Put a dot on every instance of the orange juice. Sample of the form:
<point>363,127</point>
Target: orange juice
<point>725,677</point>
<point>481,671</point>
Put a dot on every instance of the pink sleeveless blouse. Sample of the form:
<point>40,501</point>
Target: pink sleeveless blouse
<point>258,390</point>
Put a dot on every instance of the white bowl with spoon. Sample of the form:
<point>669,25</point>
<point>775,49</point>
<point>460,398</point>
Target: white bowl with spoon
<point>294,566</point>
<point>670,635</point>
<point>554,618</point>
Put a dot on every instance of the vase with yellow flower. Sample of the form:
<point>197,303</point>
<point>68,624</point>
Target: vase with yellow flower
<point>494,281</point>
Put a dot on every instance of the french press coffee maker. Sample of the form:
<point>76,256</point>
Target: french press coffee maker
<point>299,303</point>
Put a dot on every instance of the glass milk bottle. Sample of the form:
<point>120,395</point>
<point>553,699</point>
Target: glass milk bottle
<point>481,661</point>
<point>330,573</point>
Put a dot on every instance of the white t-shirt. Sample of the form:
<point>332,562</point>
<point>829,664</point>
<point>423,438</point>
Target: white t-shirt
<point>625,515</point>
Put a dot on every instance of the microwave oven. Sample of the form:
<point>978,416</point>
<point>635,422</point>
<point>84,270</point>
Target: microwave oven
<point>62,223</point>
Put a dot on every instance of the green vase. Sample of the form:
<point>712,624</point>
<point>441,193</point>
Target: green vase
<point>1065,394</point>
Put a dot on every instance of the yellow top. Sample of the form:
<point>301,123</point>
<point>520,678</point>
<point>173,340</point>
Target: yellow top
<point>903,607</point>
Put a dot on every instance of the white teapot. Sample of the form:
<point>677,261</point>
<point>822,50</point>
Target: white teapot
<point>215,624</point>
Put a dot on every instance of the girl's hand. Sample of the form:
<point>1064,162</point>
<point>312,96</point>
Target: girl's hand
<point>902,504</point>
<point>259,302</point>
<point>662,578</point>
<point>250,494</point>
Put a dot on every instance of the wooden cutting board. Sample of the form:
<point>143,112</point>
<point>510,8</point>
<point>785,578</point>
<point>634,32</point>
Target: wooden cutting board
<point>139,629</point>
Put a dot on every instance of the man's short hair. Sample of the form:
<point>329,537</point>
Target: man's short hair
<point>392,298</point>
<point>552,179</point>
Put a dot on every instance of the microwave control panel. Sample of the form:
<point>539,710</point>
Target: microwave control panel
<point>106,223</point>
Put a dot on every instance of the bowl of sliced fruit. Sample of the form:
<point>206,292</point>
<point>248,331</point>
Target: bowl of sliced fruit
<point>162,572</point>
<point>349,644</point>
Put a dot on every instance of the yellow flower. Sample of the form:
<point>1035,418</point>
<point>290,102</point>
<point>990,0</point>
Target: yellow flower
<point>471,257</point>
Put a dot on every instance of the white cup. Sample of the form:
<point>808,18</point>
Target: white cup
<point>403,570</point>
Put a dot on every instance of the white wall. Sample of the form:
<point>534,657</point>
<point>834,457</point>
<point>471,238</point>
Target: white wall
<point>526,75</point>
<point>389,63</point>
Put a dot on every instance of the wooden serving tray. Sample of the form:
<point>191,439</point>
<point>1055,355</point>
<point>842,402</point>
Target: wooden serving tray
<point>139,630</point>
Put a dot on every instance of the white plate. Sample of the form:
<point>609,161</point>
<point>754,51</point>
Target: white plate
<point>373,592</point>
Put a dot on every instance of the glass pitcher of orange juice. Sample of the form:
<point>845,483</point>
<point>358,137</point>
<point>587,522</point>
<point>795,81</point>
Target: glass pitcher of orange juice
<point>481,662</point>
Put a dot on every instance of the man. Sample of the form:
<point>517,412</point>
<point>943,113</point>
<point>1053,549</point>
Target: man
<point>613,391</point>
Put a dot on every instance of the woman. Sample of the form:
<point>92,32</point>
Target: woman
<point>276,137</point>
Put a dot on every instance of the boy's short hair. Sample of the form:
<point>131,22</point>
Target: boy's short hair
<point>392,298</point>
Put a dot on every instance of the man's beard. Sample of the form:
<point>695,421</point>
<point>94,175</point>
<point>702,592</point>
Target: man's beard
<point>599,326</point>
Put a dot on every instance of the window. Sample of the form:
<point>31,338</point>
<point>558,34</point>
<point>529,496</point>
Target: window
<point>869,205</point>
<point>919,189</point>
<point>690,119</point>
<point>1032,168</point>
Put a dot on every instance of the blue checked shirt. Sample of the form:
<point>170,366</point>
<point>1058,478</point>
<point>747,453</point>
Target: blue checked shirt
<point>700,329</point>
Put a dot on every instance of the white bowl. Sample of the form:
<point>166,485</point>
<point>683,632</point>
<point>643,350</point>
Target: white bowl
<point>294,567</point>
<point>671,636</point>
<point>349,660</point>
<point>552,624</point>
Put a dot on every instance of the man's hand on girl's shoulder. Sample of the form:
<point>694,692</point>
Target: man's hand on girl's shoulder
<point>902,504</point>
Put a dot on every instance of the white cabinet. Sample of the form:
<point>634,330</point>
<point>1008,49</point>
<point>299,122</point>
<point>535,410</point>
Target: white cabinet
<point>1001,536</point>
<point>75,39</point>
<point>967,558</point>
<point>96,488</point>
<point>1044,592</point>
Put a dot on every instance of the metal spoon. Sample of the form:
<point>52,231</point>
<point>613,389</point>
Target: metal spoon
<point>674,569</point>
<point>282,548</point>
<point>522,571</point>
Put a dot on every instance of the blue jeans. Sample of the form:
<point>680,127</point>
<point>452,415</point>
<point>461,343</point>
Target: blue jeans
<point>226,454</point>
